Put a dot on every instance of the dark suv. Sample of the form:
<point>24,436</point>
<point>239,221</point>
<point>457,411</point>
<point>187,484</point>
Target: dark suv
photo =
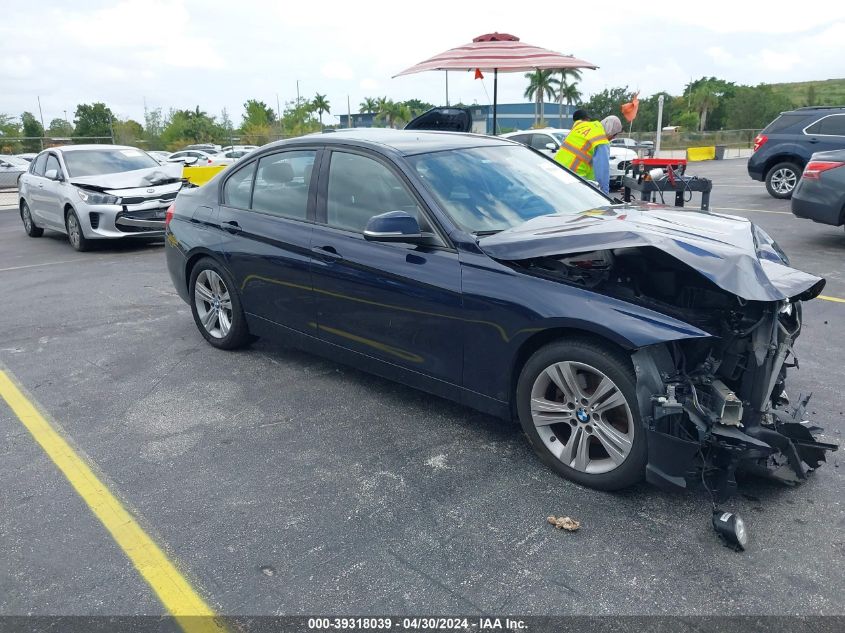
<point>782,149</point>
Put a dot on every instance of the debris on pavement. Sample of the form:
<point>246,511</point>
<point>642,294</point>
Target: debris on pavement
<point>564,523</point>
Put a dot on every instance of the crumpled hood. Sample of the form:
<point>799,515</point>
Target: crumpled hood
<point>727,250</point>
<point>149,177</point>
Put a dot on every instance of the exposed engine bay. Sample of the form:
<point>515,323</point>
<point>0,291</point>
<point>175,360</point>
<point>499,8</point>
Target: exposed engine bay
<point>711,405</point>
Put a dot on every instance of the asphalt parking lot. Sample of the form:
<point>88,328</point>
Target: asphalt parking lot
<point>282,483</point>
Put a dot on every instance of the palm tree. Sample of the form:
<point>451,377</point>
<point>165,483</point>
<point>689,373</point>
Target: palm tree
<point>704,100</point>
<point>568,89</point>
<point>392,112</point>
<point>541,84</point>
<point>368,105</point>
<point>321,104</point>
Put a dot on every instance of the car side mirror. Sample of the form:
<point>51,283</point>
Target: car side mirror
<point>395,226</point>
<point>52,174</point>
<point>189,160</point>
<point>551,147</point>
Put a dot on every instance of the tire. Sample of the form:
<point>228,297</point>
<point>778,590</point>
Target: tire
<point>595,439</point>
<point>782,179</point>
<point>28,222</point>
<point>74,232</point>
<point>216,307</point>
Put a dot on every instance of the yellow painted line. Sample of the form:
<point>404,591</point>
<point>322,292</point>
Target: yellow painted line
<point>177,596</point>
<point>826,298</point>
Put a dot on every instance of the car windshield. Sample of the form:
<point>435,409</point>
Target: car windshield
<point>489,189</point>
<point>93,162</point>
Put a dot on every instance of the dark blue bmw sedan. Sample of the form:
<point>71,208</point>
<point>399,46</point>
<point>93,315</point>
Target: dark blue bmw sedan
<point>628,341</point>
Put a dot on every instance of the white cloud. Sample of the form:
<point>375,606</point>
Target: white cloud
<point>720,56</point>
<point>369,84</point>
<point>337,70</point>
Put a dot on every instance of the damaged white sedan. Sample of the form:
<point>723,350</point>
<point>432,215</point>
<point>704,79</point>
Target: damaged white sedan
<point>94,192</point>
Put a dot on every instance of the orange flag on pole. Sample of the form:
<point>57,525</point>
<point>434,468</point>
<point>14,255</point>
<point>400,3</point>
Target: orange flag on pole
<point>629,110</point>
<point>478,74</point>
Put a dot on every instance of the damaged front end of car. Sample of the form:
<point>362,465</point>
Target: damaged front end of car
<point>711,405</point>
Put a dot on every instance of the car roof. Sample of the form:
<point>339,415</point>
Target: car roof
<point>405,142</point>
<point>75,148</point>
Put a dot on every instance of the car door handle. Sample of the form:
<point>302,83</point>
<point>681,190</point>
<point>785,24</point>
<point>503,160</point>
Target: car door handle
<point>231,226</point>
<point>327,253</point>
<point>813,140</point>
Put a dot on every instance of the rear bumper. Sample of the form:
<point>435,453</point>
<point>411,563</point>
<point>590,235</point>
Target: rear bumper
<point>818,203</point>
<point>755,170</point>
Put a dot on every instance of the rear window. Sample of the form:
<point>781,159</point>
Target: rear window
<point>785,121</point>
<point>93,162</point>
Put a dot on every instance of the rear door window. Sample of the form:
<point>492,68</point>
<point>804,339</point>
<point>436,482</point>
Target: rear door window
<point>237,191</point>
<point>833,125</point>
<point>282,182</point>
<point>539,141</point>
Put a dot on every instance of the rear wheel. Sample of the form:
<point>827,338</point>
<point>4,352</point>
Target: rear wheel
<point>782,179</point>
<point>28,222</point>
<point>216,306</point>
<point>74,232</point>
<point>577,404</point>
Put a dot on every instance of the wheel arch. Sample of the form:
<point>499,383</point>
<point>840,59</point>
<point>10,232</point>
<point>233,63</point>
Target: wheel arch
<point>195,256</point>
<point>540,339</point>
<point>783,158</point>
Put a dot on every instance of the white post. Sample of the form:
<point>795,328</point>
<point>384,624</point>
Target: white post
<point>659,124</point>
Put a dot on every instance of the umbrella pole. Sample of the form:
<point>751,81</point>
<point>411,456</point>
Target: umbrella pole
<point>495,96</point>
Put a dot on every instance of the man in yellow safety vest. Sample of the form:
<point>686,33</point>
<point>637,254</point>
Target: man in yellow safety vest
<point>586,149</point>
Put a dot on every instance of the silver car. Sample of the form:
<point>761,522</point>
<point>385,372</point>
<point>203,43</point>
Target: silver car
<point>11,169</point>
<point>93,192</point>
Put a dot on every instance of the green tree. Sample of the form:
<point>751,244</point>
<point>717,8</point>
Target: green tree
<point>258,121</point>
<point>392,113</point>
<point>257,113</point>
<point>92,120</point>
<point>755,107</point>
<point>541,83</point>
<point>417,107</point>
<point>33,131</point>
<point>568,91</point>
<point>608,101</point>
<point>59,128</point>
<point>9,128</point>
<point>128,132</point>
<point>320,104</point>
<point>154,124</point>
<point>687,120</point>
<point>298,118</point>
<point>811,95</point>
<point>190,126</point>
<point>368,105</point>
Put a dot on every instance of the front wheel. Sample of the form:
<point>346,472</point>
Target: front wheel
<point>28,222</point>
<point>577,404</point>
<point>782,179</point>
<point>74,232</point>
<point>216,306</point>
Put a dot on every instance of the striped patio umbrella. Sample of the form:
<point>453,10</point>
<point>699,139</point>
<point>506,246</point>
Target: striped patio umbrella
<point>498,51</point>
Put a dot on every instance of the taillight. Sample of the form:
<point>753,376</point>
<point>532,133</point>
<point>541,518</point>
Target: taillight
<point>210,161</point>
<point>759,141</point>
<point>815,167</point>
<point>169,215</point>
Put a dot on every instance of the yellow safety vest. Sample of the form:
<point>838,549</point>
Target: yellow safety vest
<point>576,153</point>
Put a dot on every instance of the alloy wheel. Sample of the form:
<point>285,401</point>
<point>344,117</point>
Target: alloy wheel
<point>784,180</point>
<point>27,218</point>
<point>582,417</point>
<point>73,229</point>
<point>213,303</point>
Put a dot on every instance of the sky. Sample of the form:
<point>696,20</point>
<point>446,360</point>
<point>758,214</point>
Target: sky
<point>219,53</point>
